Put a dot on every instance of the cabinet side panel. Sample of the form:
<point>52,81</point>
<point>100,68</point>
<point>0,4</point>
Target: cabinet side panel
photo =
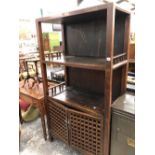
<point>119,33</point>
<point>116,83</point>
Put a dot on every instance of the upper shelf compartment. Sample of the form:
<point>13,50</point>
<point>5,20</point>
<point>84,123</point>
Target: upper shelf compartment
<point>85,31</point>
<point>80,62</point>
<point>87,37</point>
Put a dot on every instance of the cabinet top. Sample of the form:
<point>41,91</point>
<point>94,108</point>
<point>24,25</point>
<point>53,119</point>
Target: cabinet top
<point>78,13</point>
<point>125,104</point>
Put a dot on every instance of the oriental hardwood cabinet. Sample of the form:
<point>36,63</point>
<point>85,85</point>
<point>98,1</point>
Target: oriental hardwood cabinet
<point>95,49</point>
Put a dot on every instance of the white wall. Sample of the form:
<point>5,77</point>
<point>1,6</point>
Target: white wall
<point>30,9</point>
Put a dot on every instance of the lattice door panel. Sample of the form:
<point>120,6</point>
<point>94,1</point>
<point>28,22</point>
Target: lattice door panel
<point>86,132</point>
<point>58,120</point>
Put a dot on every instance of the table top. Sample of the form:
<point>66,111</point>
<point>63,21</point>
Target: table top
<point>35,92</point>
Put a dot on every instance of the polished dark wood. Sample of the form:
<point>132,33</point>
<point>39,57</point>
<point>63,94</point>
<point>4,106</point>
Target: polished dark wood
<point>95,49</point>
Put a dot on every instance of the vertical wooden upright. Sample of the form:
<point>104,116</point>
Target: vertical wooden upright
<point>42,57</point>
<point>108,74</point>
<point>64,52</point>
<point>126,49</point>
<point>43,67</point>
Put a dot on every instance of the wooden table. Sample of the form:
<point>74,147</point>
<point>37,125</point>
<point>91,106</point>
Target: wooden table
<point>35,96</point>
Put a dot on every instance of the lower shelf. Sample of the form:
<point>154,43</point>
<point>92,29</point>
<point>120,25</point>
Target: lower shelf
<point>80,100</point>
<point>80,130</point>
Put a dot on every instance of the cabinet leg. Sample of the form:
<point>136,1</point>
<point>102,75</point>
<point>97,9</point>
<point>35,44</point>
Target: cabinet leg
<point>43,121</point>
<point>44,127</point>
<point>51,138</point>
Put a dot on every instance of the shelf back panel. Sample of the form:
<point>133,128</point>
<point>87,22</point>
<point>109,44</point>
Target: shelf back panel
<point>89,80</point>
<point>87,38</point>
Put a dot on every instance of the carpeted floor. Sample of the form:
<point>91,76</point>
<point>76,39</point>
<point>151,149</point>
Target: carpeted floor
<point>33,143</point>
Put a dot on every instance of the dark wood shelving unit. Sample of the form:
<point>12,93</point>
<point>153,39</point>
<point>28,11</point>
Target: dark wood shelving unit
<point>95,48</point>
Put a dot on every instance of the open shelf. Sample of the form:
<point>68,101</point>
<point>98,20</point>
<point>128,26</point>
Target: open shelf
<point>81,100</point>
<point>80,62</point>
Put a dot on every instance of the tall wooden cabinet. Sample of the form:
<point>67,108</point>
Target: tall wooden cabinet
<point>95,47</point>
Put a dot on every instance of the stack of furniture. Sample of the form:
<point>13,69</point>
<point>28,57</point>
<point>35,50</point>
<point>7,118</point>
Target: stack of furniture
<point>95,47</point>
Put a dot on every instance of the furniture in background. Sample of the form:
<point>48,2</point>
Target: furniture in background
<point>57,74</point>
<point>35,97</point>
<point>131,82</point>
<point>95,49</point>
<point>55,53</point>
<point>131,68</point>
<point>123,126</point>
<point>24,66</point>
<point>132,57</point>
<point>35,78</point>
<point>50,40</point>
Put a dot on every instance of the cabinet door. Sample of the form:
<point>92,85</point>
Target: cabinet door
<point>57,115</point>
<point>86,132</point>
<point>122,135</point>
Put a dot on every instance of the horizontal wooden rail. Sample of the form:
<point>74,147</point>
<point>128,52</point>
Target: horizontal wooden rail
<point>58,88</point>
<point>120,64</point>
<point>119,55</point>
<point>119,58</point>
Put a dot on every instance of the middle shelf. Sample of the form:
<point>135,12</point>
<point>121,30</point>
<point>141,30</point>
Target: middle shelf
<point>79,62</point>
<point>78,99</point>
<point>87,62</point>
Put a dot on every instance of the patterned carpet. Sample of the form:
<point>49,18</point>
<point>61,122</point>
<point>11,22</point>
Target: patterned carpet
<point>33,143</point>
